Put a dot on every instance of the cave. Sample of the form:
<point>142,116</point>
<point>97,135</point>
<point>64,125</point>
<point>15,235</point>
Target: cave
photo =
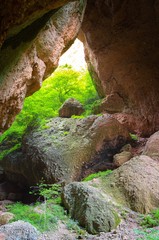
<point>121,50</point>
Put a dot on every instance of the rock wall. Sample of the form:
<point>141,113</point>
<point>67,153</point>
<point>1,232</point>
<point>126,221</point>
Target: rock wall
<point>121,40</point>
<point>33,53</point>
<point>121,46</point>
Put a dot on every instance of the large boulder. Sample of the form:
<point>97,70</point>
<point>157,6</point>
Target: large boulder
<point>135,184</point>
<point>64,150</point>
<point>33,53</point>
<point>71,107</point>
<point>90,208</point>
<point>123,59</point>
<point>152,146</point>
<point>19,230</point>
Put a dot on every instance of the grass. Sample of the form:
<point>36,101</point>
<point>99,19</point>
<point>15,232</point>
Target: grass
<point>42,217</point>
<point>151,220</point>
<point>148,223</point>
<point>45,216</point>
<point>147,234</point>
<point>97,175</point>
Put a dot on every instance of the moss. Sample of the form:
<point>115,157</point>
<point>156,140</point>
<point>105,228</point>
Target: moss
<point>7,151</point>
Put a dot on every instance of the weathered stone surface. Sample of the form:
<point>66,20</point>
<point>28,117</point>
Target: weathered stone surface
<point>135,184</point>
<point>113,103</point>
<point>19,230</point>
<point>71,107</point>
<point>23,14</point>
<point>5,217</point>
<point>27,58</point>
<point>90,208</point>
<point>121,158</point>
<point>123,58</point>
<point>152,146</point>
<point>61,150</point>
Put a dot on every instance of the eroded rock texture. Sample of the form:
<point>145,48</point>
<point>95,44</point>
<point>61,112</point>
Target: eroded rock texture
<point>33,53</point>
<point>121,45</point>
<point>16,15</point>
<point>66,149</point>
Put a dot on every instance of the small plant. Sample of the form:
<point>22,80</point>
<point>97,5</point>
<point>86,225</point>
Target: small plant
<point>97,175</point>
<point>151,220</point>
<point>147,234</point>
<point>49,192</point>
<point>134,137</point>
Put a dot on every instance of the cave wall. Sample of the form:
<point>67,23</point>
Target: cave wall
<point>121,39</point>
<point>32,53</point>
<point>122,52</point>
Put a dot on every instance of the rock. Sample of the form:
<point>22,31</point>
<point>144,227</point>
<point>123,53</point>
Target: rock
<point>62,151</point>
<point>5,217</point>
<point>127,148</point>
<point>90,208</point>
<point>121,158</point>
<point>152,146</point>
<point>19,230</point>
<point>33,53</point>
<point>113,103</point>
<point>12,24</point>
<point>71,107</point>
<point>119,61</point>
<point>135,184</point>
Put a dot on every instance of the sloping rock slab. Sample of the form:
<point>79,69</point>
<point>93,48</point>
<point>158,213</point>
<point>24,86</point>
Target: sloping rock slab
<point>59,152</point>
<point>19,230</point>
<point>135,183</point>
<point>152,146</point>
<point>87,205</point>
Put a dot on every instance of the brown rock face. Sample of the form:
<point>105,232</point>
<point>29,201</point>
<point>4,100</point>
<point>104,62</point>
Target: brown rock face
<point>16,15</point>
<point>121,45</point>
<point>32,54</point>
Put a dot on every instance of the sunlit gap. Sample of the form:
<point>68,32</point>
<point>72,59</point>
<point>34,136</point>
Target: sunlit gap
<point>74,56</point>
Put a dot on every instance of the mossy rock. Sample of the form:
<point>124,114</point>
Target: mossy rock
<point>90,208</point>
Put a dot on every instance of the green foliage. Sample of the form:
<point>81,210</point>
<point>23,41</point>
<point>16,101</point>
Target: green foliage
<point>45,216</point>
<point>38,215</point>
<point>96,175</point>
<point>147,234</point>
<point>64,83</point>
<point>7,151</point>
<point>134,137</point>
<point>50,192</point>
<point>151,220</point>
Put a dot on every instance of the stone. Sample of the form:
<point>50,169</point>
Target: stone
<point>152,146</point>
<point>121,158</point>
<point>127,148</point>
<point>20,18</point>
<point>33,54</point>
<point>113,103</point>
<point>71,107</point>
<point>5,217</point>
<point>135,184</point>
<point>65,150</point>
<point>19,230</point>
<point>90,208</point>
<point>122,60</point>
